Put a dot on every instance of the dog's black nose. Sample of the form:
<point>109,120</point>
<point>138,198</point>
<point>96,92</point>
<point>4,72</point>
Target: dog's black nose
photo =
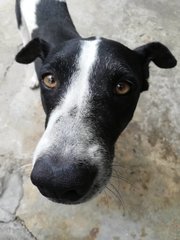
<point>63,183</point>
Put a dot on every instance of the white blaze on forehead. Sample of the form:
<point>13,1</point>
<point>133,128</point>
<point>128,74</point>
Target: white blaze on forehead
<point>28,9</point>
<point>79,89</point>
<point>78,94</point>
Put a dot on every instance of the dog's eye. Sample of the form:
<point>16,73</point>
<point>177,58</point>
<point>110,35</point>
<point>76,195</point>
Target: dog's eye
<point>122,88</point>
<point>49,81</point>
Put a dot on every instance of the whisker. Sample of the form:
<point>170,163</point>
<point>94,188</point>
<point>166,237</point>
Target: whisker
<point>25,169</point>
<point>118,197</point>
<point>25,166</point>
<point>112,193</point>
<point>123,179</point>
<point>106,197</point>
<point>119,177</point>
<point>119,165</point>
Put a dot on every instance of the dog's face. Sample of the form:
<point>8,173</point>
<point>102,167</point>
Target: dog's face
<point>90,89</point>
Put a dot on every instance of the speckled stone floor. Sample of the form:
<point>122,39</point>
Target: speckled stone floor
<point>147,153</point>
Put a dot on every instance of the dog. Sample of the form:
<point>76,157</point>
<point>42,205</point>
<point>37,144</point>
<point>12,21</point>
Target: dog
<point>89,90</point>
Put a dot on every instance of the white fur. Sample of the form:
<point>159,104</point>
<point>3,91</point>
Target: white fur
<point>28,17</point>
<point>78,91</point>
<point>28,10</point>
<point>74,130</point>
<point>25,36</point>
<point>34,83</point>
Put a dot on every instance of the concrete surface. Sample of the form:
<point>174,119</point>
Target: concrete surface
<point>147,165</point>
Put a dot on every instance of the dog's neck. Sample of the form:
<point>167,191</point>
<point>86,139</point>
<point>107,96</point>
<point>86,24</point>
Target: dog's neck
<point>58,27</point>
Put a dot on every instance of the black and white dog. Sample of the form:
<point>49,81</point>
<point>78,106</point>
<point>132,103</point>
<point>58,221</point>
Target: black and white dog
<point>89,88</point>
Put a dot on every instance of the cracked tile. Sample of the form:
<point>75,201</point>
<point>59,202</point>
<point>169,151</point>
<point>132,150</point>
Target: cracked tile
<point>11,197</point>
<point>15,231</point>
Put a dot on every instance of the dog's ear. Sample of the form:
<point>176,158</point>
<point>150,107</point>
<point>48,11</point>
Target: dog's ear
<point>34,49</point>
<point>158,54</point>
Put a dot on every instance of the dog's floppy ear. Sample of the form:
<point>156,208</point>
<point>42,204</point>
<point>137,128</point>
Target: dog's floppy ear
<point>34,49</point>
<point>157,53</point>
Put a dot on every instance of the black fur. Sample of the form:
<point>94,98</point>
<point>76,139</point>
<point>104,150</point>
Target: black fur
<point>54,23</point>
<point>158,53</point>
<point>34,49</point>
<point>18,13</point>
<point>57,43</point>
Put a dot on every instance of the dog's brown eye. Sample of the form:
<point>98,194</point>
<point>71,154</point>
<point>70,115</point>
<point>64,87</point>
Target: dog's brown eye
<point>49,81</point>
<point>122,88</point>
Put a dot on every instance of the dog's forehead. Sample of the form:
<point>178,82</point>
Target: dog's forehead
<point>105,56</point>
<point>106,49</point>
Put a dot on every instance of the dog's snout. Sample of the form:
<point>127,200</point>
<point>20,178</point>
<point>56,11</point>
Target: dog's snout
<point>63,183</point>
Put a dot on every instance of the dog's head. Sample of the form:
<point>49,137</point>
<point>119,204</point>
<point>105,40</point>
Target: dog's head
<point>90,89</point>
